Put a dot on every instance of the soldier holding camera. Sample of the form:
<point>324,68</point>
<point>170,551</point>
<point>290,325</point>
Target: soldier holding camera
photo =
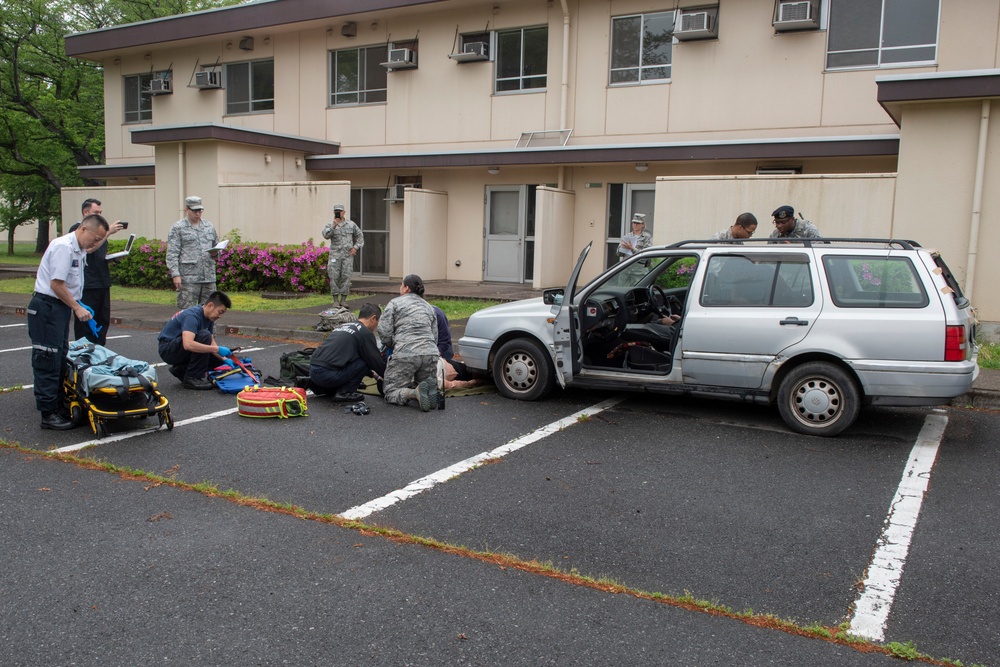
<point>345,242</point>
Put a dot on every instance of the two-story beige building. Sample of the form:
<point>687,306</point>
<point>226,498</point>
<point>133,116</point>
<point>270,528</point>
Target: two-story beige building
<point>490,140</point>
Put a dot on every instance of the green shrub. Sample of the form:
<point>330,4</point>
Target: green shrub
<point>241,267</point>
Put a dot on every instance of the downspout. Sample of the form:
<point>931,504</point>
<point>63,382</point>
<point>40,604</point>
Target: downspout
<point>181,176</point>
<point>977,200</point>
<point>564,88</point>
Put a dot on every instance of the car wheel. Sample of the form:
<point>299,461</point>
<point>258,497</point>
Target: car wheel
<point>523,370</point>
<point>818,398</point>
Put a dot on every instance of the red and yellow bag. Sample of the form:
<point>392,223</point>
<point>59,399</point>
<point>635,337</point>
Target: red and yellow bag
<point>272,402</point>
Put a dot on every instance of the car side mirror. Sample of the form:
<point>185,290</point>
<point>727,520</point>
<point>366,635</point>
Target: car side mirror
<point>553,296</point>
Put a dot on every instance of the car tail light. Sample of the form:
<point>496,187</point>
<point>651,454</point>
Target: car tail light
<point>954,343</point>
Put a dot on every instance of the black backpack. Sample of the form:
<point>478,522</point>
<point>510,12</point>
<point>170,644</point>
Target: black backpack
<point>295,368</point>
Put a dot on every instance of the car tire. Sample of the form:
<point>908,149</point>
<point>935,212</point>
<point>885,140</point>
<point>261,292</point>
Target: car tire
<point>818,398</point>
<point>523,370</point>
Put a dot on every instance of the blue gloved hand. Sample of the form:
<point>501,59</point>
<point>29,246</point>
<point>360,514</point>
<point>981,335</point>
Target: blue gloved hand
<point>94,326</point>
<point>225,351</point>
<point>229,362</point>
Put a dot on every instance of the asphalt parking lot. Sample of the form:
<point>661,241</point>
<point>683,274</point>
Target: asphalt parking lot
<point>715,503</point>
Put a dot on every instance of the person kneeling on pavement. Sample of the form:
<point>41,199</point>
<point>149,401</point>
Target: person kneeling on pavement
<point>409,327</point>
<point>346,356</point>
<point>187,342</point>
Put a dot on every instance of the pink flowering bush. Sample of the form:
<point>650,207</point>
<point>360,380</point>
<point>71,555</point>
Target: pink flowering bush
<point>241,267</point>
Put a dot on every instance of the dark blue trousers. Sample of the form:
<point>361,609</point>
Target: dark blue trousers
<point>343,380</point>
<point>48,328</point>
<point>194,365</point>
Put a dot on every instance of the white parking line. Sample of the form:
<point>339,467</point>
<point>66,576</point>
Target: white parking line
<point>7,326</point>
<point>871,611</point>
<point>21,349</point>
<point>145,431</point>
<point>441,476</point>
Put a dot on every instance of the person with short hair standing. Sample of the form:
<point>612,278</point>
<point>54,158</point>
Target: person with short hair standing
<point>58,288</point>
<point>346,240</point>
<point>190,255</point>
<point>96,280</point>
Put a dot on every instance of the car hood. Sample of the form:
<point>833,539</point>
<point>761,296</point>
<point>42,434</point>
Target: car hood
<point>487,322</point>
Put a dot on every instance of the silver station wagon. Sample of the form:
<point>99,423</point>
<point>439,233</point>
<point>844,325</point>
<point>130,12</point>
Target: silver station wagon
<point>819,327</point>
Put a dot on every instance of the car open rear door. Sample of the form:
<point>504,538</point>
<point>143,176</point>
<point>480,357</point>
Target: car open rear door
<point>567,352</point>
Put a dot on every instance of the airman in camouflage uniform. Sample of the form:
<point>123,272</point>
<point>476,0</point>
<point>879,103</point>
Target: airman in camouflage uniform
<point>189,257</point>
<point>345,241</point>
<point>409,327</point>
<point>787,227</point>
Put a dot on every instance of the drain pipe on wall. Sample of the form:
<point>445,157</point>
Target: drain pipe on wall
<point>564,88</point>
<point>181,176</point>
<point>977,200</point>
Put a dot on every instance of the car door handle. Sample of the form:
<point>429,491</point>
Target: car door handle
<point>794,320</point>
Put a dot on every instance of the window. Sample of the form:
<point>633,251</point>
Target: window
<point>250,87</point>
<point>874,282</point>
<point>139,104</point>
<point>522,59</point>
<point>625,199</point>
<point>357,76</point>
<point>882,33</point>
<point>370,210</point>
<point>758,280</point>
<point>641,47</point>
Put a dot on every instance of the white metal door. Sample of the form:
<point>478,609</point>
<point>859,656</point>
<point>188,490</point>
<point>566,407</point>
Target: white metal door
<point>505,225</point>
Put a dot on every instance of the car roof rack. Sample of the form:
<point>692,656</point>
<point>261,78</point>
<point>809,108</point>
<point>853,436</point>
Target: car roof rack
<point>903,244</point>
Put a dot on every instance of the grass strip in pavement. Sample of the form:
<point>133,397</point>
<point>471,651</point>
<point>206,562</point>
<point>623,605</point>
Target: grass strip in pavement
<point>836,635</point>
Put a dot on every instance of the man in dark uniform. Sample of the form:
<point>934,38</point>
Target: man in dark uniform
<point>187,342</point>
<point>58,288</point>
<point>347,355</point>
<point>96,281</point>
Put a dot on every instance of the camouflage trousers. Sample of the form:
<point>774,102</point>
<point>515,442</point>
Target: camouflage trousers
<point>402,374</point>
<point>193,294</point>
<point>340,269</point>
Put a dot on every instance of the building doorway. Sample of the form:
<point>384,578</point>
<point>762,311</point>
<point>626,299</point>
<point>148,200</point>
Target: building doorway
<point>624,199</point>
<point>371,213</point>
<point>510,233</point>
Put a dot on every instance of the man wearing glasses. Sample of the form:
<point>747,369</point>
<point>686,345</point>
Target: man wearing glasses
<point>58,288</point>
<point>191,255</point>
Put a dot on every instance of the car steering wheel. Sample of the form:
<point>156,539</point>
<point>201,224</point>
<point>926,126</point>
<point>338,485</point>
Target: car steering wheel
<point>659,301</point>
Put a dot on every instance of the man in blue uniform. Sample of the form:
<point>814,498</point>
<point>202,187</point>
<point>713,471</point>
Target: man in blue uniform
<point>187,342</point>
<point>58,288</point>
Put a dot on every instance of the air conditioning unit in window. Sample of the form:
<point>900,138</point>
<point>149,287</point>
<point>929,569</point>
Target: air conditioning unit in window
<point>396,193</point>
<point>696,25</point>
<point>471,52</point>
<point>803,15</point>
<point>401,59</point>
<point>208,79</point>
<point>159,87</point>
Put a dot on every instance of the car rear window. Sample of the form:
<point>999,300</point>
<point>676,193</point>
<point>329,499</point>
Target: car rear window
<point>758,280</point>
<point>874,282</point>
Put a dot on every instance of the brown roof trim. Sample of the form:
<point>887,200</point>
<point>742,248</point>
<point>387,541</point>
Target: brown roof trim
<point>102,171</point>
<point>239,135</point>
<point>759,150</point>
<point>938,86</point>
<point>235,19</point>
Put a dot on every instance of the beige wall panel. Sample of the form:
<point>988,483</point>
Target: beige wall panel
<point>851,99</point>
<point>967,35</point>
<point>937,167</point>
<point>425,234</point>
<point>239,163</point>
<point>637,110</point>
<point>732,83</point>
<point>466,220</point>
<point>513,114</point>
<point>697,207</point>
<point>554,257</point>
<point>288,89</point>
<point>311,69</point>
<point>287,213</point>
<point>132,203</point>
<point>358,129</point>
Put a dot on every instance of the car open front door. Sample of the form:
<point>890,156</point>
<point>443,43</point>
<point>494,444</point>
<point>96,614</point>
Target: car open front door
<point>566,328</point>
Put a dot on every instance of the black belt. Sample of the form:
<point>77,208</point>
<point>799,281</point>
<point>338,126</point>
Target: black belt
<point>47,296</point>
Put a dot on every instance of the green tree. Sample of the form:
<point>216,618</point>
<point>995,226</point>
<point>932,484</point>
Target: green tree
<point>51,105</point>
